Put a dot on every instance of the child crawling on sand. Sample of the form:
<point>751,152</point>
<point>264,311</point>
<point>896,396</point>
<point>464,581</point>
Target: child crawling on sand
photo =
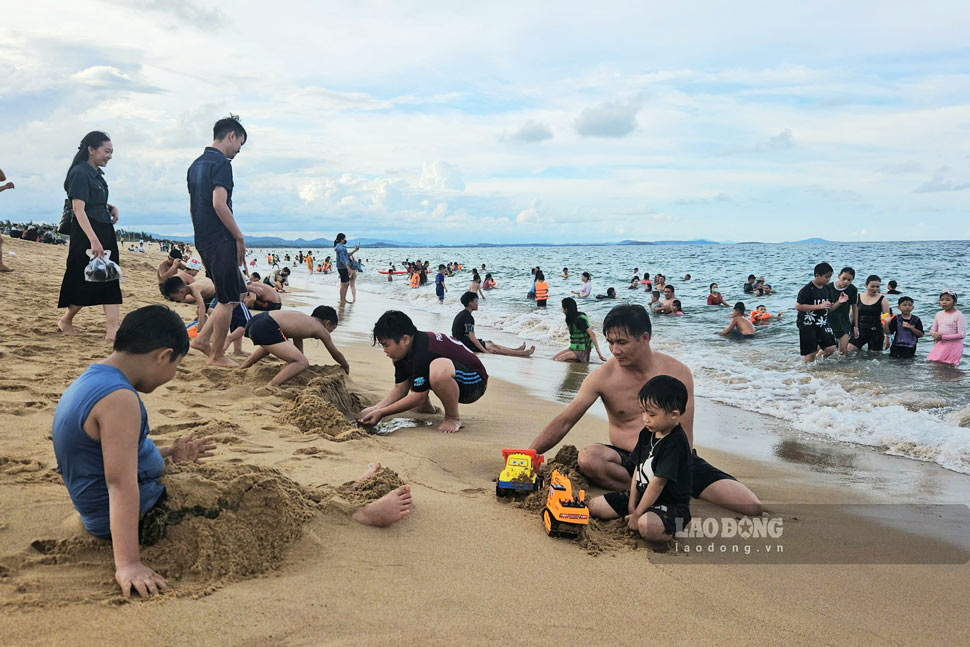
<point>281,333</point>
<point>658,500</point>
<point>202,292</point>
<point>425,361</point>
<point>110,466</point>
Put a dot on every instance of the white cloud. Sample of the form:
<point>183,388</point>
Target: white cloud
<point>610,119</point>
<point>531,132</point>
<point>106,76</point>
<point>941,182</point>
<point>532,213</point>
<point>441,176</point>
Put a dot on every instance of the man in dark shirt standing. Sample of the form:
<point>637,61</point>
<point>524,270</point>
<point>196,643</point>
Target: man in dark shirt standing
<point>217,237</point>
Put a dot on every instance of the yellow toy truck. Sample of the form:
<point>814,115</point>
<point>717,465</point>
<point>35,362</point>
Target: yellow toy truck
<point>521,473</point>
<point>565,514</point>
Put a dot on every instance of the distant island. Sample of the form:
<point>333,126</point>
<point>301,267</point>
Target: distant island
<point>380,243</point>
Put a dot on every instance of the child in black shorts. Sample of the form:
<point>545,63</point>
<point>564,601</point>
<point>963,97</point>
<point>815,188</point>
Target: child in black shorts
<point>658,501</point>
<point>813,304</point>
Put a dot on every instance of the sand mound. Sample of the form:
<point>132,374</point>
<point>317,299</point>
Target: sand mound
<point>224,523</point>
<point>311,413</point>
<point>372,488</point>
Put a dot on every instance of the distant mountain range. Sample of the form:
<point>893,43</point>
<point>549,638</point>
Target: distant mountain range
<point>379,243</point>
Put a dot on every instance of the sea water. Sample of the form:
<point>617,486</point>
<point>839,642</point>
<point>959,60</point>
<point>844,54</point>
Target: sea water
<point>902,407</point>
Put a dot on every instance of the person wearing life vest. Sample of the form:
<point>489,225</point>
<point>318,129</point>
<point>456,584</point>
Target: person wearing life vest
<point>541,289</point>
<point>415,280</point>
<point>489,283</point>
<point>581,336</point>
<point>761,315</point>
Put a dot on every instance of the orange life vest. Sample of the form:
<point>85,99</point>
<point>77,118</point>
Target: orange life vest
<point>542,290</point>
<point>757,316</point>
<point>415,280</point>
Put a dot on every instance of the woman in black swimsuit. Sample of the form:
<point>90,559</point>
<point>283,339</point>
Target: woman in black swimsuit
<point>868,326</point>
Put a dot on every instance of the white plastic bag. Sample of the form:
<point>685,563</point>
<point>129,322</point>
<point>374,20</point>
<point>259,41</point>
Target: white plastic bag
<point>102,270</point>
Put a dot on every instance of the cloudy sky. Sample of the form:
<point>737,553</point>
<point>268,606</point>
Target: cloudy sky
<point>493,122</point>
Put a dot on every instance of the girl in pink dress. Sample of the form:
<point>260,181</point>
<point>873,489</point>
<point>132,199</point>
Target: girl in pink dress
<point>949,329</point>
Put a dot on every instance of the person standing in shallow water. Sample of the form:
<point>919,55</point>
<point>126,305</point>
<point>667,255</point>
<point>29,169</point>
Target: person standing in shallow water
<point>92,227</point>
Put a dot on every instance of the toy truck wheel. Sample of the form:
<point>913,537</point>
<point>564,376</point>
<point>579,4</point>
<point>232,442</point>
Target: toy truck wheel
<point>499,491</point>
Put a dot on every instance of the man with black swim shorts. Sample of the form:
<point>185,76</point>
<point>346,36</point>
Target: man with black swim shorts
<point>281,333</point>
<point>423,362</point>
<point>628,330</point>
<point>217,237</point>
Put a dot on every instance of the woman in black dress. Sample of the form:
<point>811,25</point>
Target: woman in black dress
<point>91,228</point>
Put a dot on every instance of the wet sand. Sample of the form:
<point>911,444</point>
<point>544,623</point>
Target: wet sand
<point>463,566</point>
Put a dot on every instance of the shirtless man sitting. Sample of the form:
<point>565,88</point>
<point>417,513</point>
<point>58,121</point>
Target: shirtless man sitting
<point>617,382</point>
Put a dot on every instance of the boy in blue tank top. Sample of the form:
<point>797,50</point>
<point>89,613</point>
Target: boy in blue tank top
<point>109,465</point>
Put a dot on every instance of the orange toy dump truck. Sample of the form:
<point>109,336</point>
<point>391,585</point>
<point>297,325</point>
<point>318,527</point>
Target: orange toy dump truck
<point>564,514</point>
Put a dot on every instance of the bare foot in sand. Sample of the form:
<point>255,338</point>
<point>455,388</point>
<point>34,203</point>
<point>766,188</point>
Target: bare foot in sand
<point>427,407</point>
<point>201,346</point>
<point>240,353</point>
<point>449,425</point>
<point>222,362</point>
<point>110,334</point>
<point>388,509</point>
<point>66,327</point>
<point>4,268</point>
<point>532,349</point>
<point>522,347</point>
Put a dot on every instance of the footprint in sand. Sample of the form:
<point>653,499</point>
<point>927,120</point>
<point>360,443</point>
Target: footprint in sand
<point>22,408</point>
<point>161,430</point>
<point>13,387</point>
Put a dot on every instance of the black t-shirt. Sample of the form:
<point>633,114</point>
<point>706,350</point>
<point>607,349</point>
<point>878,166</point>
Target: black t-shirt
<point>209,170</point>
<point>668,457</point>
<point>813,295</point>
<point>462,327</point>
<point>84,182</point>
<point>748,288</point>
<point>427,347</point>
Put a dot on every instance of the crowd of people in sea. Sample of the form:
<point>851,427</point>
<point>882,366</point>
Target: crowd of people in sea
<point>647,464</point>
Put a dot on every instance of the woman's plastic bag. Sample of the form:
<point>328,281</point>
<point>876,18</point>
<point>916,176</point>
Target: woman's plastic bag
<point>102,270</point>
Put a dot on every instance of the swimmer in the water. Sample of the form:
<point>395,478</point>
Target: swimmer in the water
<point>676,307</point>
<point>666,306</point>
<point>610,294</point>
<point>740,327</point>
<point>760,315</point>
<point>654,298</point>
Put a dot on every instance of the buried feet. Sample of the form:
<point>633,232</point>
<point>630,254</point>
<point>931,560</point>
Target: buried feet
<point>449,425</point>
<point>391,507</point>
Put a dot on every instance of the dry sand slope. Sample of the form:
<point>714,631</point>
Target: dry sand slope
<point>267,554</point>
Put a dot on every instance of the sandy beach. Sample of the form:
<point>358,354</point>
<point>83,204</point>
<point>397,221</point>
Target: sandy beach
<point>273,557</point>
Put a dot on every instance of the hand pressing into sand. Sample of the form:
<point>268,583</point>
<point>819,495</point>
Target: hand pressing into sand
<point>143,579</point>
<point>189,449</point>
<point>390,508</point>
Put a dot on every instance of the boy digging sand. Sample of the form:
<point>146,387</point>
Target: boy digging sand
<point>109,465</point>
<point>658,501</point>
<point>425,361</point>
<point>281,333</point>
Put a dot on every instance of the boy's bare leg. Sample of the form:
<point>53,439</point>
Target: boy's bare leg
<point>66,323</point>
<point>652,529</point>
<point>296,361</point>
<point>426,406</point>
<point>111,316</point>
<point>513,352</point>
<point>343,294</point>
<point>3,268</point>
<point>600,509</point>
<point>219,322</point>
<point>603,466</point>
<point>391,507</point>
<point>734,496</point>
<point>565,356</point>
<point>235,339</point>
<point>443,384</point>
